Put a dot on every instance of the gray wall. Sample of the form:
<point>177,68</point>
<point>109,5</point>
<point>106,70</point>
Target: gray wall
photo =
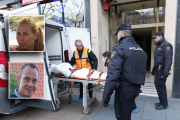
<point>176,83</point>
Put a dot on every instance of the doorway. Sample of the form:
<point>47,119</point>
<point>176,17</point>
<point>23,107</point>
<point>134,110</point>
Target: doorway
<point>143,38</point>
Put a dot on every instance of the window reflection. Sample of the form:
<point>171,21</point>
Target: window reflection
<point>141,16</point>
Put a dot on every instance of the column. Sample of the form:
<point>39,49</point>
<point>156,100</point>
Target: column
<point>99,31</point>
<point>176,84</point>
<point>170,35</point>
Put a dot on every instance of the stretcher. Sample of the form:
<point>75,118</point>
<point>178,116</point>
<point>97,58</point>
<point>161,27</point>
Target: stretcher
<point>85,81</point>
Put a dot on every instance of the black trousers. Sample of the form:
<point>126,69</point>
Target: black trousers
<point>161,89</point>
<point>124,100</point>
<point>90,85</point>
<point>134,105</point>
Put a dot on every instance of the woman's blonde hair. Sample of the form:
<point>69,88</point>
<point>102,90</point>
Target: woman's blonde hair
<point>39,42</point>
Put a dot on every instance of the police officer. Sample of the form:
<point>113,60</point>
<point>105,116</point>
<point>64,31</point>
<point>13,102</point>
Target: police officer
<point>162,65</point>
<point>83,58</point>
<point>106,55</point>
<point>126,73</point>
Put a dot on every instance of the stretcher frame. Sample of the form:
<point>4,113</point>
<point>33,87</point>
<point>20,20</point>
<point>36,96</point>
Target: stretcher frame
<point>57,94</point>
<point>85,82</point>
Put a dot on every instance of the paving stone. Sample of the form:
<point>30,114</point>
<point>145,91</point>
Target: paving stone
<point>41,118</point>
<point>93,113</point>
<point>30,118</point>
<point>140,104</point>
<point>73,111</point>
<point>149,105</point>
<point>154,114</point>
<point>170,108</point>
<point>55,114</point>
<point>172,115</point>
<point>105,114</point>
<point>72,116</point>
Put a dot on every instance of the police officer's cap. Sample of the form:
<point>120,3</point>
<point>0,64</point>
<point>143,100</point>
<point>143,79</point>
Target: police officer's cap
<point>158,34</point>
<point>124,26</point>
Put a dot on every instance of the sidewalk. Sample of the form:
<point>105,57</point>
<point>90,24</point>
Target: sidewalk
<point>146,108</point>
<point>73,111</point>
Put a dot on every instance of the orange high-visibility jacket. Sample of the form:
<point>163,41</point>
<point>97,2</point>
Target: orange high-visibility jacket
<point>84,61</point>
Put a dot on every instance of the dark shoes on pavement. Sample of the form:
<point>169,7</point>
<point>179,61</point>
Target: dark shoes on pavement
<point>157,104</point>
<point>160,106</point>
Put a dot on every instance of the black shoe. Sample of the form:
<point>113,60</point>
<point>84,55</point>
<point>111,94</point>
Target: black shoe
<point>161,107</point>
<point>157,104</point>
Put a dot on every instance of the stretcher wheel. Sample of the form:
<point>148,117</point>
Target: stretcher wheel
<point>95,102</point>
<point>86,112</point>
<point>58,105</point>
<point>70,98</point>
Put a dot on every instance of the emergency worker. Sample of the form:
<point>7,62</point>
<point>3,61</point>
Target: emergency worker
<point>126,73</point>
<point>162,65</point>
<point>83,58</point>
<point>106,56</point>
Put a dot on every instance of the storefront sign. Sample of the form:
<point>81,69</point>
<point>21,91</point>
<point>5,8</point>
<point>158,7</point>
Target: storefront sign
<point>26,2</point>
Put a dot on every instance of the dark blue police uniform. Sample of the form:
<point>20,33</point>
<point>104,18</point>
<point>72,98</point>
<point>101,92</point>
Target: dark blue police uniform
<point>162,65</point>
<point>126,73</point>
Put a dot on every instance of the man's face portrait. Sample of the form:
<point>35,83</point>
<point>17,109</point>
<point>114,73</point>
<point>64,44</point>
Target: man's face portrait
<point>28,82</point>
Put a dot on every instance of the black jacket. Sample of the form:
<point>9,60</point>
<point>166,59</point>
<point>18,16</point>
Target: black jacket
<point>163,56</point>
<point>106,62</point>
<point>92,58</point>
<point>127,63</point>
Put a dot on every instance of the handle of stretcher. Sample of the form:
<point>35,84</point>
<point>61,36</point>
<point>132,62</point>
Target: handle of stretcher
<point>72,86</point>
<point>99,78</point>
<point>91,71</point>
<point>72,70</point>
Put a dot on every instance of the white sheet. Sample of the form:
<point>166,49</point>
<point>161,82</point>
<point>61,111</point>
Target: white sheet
<point>82,73</point>
<point>61,68</point>
<point>95,75</point>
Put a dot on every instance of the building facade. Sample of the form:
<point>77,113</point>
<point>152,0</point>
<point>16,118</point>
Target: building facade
<point>146,17</point>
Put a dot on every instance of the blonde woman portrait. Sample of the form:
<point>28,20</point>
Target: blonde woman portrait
<point>26,33</point>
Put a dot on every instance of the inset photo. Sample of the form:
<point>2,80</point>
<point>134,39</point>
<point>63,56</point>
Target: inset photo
<point>26,80</point>
<point>26,33</point>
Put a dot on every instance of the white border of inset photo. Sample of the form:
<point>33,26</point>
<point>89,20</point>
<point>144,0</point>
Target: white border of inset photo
<point>13,44</point>
<point>15,76</point>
